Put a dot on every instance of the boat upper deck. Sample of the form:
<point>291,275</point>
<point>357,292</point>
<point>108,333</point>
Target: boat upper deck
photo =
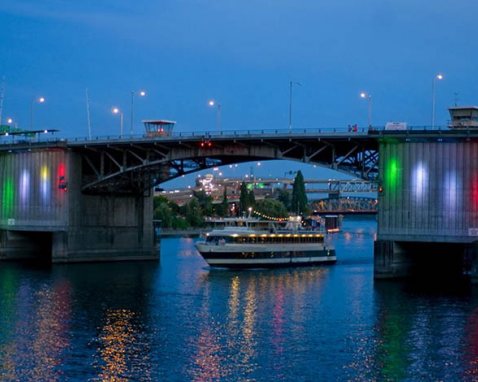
<point>245,235</point>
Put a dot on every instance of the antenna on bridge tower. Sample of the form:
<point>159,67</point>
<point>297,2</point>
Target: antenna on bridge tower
<point>88,113</point>
<point>2,94</point>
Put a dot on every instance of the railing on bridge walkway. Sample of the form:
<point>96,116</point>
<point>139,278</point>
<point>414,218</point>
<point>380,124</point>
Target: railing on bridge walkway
<point>231,134</point>
<point>267,133</point>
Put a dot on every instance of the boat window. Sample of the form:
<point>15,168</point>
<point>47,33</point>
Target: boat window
<point>240,240</point>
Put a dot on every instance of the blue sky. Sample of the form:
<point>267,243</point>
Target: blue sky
<point>242,53</point>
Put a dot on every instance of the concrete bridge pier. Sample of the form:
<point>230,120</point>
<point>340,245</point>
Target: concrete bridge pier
<point>25,245</point>
<point>107,228</point>
<point>45,215</point>
<point>428,208</point>
<point>102,228</point>
<point>425,260</point>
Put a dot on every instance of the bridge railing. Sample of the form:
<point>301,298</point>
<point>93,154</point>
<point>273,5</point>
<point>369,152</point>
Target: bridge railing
<point>254,133</point>
<point>228,134</point>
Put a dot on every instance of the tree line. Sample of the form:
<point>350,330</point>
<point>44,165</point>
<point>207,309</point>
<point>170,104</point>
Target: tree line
<point>192,214</point>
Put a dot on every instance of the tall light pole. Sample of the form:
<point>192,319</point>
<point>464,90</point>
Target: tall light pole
<point>438,77</point>
<point>10,125</point>
<point>213,103</point>
<point>116,110</point>
<point>368,97</point>
<point>34,100</point>
<point>141,93</point>
<point>291,83</point>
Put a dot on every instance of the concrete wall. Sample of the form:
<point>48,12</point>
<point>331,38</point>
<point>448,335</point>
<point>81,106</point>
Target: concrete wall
<point>430,191</point>
<point>30,194</point>
<point>429,201</point>
<point>44,213</point>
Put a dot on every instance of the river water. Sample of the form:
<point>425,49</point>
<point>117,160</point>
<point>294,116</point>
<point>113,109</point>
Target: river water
<point>178,320</point>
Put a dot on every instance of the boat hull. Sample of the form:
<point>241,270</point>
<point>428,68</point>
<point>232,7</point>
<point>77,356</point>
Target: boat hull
<point>250,258</point>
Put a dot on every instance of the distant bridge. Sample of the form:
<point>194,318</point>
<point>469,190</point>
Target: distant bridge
<point>345,205</point>
<point>265,187</point>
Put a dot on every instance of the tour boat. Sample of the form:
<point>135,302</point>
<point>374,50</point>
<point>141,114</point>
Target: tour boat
<point>246,247</point>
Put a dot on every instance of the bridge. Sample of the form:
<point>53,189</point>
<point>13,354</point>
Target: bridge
<point>215,186</point>
<point>88,200</point>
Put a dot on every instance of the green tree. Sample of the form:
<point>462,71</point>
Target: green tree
<point>194,214</point>
<point>205,202</point>
<point>158,200</point>
<point>243,198</point>
<point>223,208</point>
<point>252,199</point>
<point>180,223</point>
<point>299,196</point>
<point>272,207</point>
<point>165,214</point>
<point>283,196</point>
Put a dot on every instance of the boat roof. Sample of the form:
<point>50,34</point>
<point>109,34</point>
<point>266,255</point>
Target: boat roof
<point>228,231</point>
<point>244,231</point>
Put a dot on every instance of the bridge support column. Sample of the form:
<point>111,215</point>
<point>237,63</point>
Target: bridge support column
<point>471,262</point>
<point>389,261</point>
<point>102,228</point>
<point>107,228</point>
<point>425,260</point>
<point>25,245</point>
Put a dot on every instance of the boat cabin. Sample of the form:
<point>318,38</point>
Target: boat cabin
<point>158,128</point>
<point>250,237</point>
<point>463,117</point>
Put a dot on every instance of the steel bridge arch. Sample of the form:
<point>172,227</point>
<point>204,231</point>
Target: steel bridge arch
<point>125,167</point>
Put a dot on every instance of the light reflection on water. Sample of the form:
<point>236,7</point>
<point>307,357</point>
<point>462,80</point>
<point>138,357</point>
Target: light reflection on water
<point>179,320</point>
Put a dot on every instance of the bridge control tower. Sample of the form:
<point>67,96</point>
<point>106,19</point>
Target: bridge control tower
<point>463,117</point>
<point>158,128</point>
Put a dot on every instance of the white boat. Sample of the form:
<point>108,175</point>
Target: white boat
<point>245,247</point>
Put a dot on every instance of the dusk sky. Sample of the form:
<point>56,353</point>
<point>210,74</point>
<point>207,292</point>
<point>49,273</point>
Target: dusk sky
<point>241,53</point>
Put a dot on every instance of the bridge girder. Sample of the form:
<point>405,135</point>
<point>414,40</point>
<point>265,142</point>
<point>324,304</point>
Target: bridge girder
<point>126,167</point>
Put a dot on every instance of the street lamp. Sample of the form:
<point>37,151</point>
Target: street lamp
<point>368,97</point>
<point>116,110</point>
<point>9,123</point>
<point>291,83</point>
<point>438,77</point>
<point>34,100</point>
<point>213,103</point>
<point>140,93</point>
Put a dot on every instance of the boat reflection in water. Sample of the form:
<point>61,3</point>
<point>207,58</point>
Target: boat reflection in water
<point>254,247</point>
<point>231,343</point>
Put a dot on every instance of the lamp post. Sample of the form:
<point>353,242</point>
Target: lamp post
<point>140,93</point>
<point>116,110</point>
<point>438,77</point>
<point>291,83</point>
<point>10,124</point>
<point>368,97</point>
<point>34,100</point>
<point>213,103</point>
